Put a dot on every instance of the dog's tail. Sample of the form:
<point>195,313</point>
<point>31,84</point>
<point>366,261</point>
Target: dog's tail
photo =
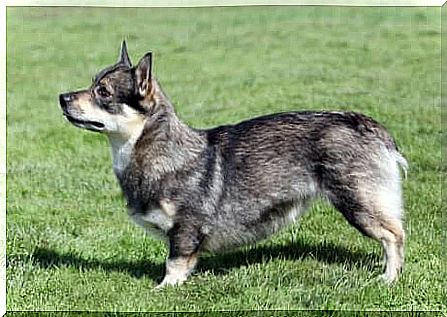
<point>393,149</point>
<point>403,163</point>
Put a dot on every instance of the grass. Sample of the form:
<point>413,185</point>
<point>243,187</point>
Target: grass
<point>70,245</point>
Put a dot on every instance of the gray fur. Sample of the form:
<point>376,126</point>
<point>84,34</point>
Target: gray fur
<point>237,184</point>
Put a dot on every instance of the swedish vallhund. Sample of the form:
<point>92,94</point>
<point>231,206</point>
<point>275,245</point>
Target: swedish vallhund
<point>210,190</point>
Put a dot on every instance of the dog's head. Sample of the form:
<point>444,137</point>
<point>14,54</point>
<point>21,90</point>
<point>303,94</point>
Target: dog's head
<point>117,100</point>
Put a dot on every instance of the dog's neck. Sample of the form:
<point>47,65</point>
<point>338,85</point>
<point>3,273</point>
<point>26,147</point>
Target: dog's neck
<point>122,146</point>
<point>159,141</point>
<point>166,144</point>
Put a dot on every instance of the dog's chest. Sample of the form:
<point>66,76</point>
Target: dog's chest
<point>155,221</point>
<point>122,151</point>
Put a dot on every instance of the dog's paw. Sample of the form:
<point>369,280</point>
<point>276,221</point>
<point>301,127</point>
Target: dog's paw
<point>388,279</point>
<point>170,280</point>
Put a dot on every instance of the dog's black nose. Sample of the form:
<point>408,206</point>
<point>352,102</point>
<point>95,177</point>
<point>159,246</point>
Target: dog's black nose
<point>65,98</point>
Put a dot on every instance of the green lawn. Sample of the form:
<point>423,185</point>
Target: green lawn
<point>70,245</point>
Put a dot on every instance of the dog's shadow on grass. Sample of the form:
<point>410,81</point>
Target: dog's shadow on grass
<point>48,259</point>
<point>218,264</point>
<point>326,252</point>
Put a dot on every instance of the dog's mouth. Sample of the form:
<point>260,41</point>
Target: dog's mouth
<point>89,125</point>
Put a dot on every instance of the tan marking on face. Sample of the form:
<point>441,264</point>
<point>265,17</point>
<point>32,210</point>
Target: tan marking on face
<point>87,110</point>
<point>83,102</point>
<point>131,121</point>
<point>107,83</point>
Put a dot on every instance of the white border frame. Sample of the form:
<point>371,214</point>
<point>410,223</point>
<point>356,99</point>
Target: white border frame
<point>3,161</point>
<point>132,3</point>
<point>208,3</point>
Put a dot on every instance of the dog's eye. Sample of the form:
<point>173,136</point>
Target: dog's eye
<point>102,91</point>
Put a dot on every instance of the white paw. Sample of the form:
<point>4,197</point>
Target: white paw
<point>388,278</point>
<point>171,280</point>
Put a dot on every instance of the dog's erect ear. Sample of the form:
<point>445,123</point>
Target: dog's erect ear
<point>124,57</point>
<point>143,73</point>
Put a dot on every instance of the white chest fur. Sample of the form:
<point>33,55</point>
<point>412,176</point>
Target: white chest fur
<point>123,143</point>
<point>121,152</point>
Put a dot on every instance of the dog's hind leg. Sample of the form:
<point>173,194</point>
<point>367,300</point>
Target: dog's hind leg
<point>376,212</point>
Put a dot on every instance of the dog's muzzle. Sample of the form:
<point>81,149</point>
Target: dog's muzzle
<point>65,99</point>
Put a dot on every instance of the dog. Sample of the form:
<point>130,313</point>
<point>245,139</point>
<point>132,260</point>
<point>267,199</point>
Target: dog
<point>211,190</point>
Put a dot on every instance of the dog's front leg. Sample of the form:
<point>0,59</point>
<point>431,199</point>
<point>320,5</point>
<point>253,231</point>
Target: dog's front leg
<point>178,270</point>
<point>184,243</point>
